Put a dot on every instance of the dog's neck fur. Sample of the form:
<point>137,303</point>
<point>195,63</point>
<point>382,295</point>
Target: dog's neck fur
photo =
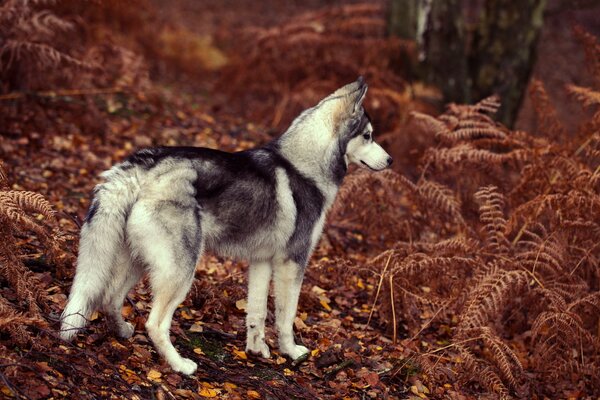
<point>311,147</point>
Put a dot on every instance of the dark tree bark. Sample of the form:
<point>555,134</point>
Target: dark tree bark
<point>505,51</point>
<point>469,63</point>
<point>402,18</point>
<point>444,53</point>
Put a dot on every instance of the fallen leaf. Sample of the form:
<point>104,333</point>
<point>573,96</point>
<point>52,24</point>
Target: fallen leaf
<point>372,379</point>
<point>186,314</point>
<point>240,354</point>
<point>129,375</point>
<point>325,303</point>
<point>6,391</point>
<point>185,393</point>
<point>229,386</point>
<point>299,324</point>
<point>280,360</point>
<point>154,376</point>
<point>317,290</point>
<point>241,304</point>
<point>207,390</point>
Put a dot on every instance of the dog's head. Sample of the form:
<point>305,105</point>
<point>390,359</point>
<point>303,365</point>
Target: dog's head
<point>352,127</point>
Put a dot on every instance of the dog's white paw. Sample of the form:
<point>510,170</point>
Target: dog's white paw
<point>295,351</point>
<point>126,330</point>
<point>259,348</point>
<point>185,366</point>
<point>255,343</point>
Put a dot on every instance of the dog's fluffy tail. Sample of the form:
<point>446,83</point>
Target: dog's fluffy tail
<point>102,237</point>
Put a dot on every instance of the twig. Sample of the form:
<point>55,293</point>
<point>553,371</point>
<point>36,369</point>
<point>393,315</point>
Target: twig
<point>378,289</point>
<point>74,218</point>
<point>62,93</point>
<point>453,344</point>
<point>393,309</point>
<point>522,268</point>
<point>215,332</point>
<point>339,367</point>
<point>427,323</point>
<point>11,387</point>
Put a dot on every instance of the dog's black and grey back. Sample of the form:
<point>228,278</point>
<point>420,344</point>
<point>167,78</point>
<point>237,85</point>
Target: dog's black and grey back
<point>161,208</point>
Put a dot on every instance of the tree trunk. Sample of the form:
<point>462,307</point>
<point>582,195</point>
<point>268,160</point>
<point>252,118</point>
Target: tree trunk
<point>468,65</point>
<point>402,18</point>
<point>444,54</point>
<point>505,51</point>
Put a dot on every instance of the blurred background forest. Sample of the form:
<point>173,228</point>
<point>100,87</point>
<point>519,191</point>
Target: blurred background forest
<point>469,271</point>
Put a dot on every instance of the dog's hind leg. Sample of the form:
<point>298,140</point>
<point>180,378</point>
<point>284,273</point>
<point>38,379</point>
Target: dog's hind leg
<point>259,279</point>
<point>126,274</point>
<point>169,291</point>
<point>287,282</point>
<point>166,235</point>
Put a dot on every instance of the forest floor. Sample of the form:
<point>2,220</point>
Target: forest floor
<point>56,150</point>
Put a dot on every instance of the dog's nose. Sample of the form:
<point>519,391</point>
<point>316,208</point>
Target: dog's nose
<point>390,160</point>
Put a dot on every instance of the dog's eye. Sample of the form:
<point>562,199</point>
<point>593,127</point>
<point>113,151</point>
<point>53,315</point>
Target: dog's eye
<point>367,136</point>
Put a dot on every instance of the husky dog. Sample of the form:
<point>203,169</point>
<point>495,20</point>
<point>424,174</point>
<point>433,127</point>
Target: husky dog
<point>159,210</point>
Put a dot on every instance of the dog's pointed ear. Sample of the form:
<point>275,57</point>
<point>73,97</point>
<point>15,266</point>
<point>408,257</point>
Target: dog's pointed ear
<point>359,94</point>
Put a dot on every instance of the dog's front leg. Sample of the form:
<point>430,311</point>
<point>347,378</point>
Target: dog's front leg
<point>287,281</point>
<point>259,278</point>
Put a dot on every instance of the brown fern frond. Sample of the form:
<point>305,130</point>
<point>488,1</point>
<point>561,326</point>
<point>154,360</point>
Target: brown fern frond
<point>555,301</point>
<point>387,192</point>
<point>592,301</point>
<point>588,97</point>
<point>547,117</point>
<point>457,245</point>
<point>361,179</point>
<point>30,201</point>
<point>503,356</point>
<point>466,155</point>
<point>3,178</point>
<point>482,374</point>
<point>547,256</point>
<point>491,213</point>
<point>491,381</point>
<point>489,105</point>
<point>567,168</point>
<point>489,297</point>
<point>566,324</point>
<point>40,54</point>
<point>45,24</point>
<point>555,335</point>
<point>572,205</point>
<point>472,133</point>
<point>430,124</point>
<point>15,323</point>
<point>26,285</point>
<point>468,358</point>
<point>591,47</point>
<point>431,266</point>
<point>476,112</point>
<point>440,197</point>
<point>342,12</point>
<point>11,213</point>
